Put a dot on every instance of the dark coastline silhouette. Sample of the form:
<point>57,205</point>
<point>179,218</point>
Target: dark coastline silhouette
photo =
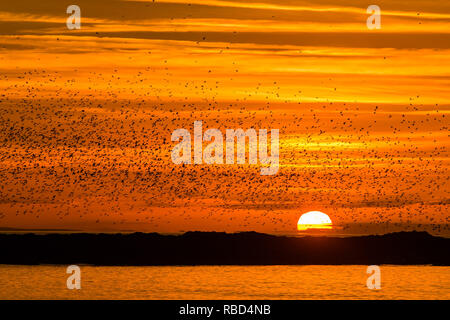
<point>214,248</point>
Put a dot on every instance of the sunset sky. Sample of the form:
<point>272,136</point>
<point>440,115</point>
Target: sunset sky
<point>86,116</point>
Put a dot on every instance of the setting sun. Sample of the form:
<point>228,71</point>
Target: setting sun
<point>314,220</point>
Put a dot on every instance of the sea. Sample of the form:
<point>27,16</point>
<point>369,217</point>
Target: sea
<point>225,282</point>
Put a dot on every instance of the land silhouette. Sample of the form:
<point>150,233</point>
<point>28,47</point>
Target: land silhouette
<point>215,248</point>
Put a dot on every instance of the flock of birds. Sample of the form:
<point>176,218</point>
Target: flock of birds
<point>98,157</point>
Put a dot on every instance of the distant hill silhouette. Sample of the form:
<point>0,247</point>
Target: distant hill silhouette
<point>212,248</point>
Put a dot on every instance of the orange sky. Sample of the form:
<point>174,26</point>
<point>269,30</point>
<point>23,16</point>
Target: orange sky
<point>86,115</point>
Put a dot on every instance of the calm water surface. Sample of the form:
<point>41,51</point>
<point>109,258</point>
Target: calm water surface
<point>225,282</point>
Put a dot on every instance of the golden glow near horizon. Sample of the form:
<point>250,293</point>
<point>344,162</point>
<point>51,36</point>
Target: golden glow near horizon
<point>86,115</point>
<point>314,220</point>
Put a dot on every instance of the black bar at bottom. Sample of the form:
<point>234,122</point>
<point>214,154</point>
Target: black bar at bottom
<point>248,309</point>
